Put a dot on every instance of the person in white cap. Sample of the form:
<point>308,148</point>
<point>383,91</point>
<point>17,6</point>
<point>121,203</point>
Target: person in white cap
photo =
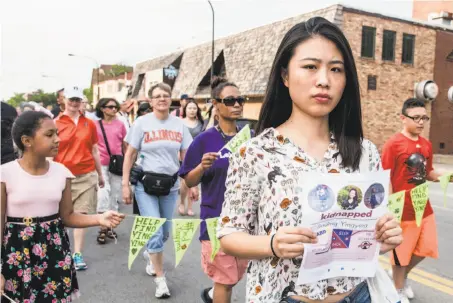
<point>78,151</point>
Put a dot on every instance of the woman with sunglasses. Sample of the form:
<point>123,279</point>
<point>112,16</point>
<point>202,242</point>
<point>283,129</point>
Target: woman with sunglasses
<point>310,122</point>
<point>194,121</point>
<point>111,131</point>
<point>202,165</point>
<point>160,139</point>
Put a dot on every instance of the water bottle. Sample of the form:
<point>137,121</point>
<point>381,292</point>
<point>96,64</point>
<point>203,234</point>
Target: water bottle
<point>137,171</point>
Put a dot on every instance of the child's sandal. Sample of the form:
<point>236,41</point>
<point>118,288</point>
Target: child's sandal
<point>101,237</point>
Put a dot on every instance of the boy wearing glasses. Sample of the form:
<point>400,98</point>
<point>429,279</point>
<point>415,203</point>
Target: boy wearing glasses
<point>409,156</point>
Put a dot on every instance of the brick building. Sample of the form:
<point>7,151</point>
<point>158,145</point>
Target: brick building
<point>392,55</point>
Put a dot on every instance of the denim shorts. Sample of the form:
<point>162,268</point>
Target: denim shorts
<point>158,207</point>
<point>361,294</point>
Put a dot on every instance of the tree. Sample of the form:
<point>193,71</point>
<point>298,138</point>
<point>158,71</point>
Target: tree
<point>88,92</point>
<point>120,69</point>
<point>16,99</point>
<point>37,96</point>
<point>46,98</point>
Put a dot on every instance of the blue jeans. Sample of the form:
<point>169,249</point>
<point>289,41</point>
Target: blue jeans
<point>158,207</point>
<point>360,294</point>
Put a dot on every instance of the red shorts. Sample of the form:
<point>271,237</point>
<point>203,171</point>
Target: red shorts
<point>225,269</point>
<point>420,241</point>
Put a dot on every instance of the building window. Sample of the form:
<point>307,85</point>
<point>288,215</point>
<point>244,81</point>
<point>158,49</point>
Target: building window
<point>408,48</point>
<point>368,41</point>
<point>388,45</point>
<point>441,145</point>
<point>372,82</point>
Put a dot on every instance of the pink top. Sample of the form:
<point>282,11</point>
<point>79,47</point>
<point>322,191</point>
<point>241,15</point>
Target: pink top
<point>33,196</point>
<point>116,132</point>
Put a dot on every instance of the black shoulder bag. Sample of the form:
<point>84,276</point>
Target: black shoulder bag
<point>116,161</point>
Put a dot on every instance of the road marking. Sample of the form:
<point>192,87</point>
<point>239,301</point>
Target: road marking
<point>441,284</point>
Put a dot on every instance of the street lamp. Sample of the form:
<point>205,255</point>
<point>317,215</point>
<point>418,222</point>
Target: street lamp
<point>97,74</point>
<point>212,46</point>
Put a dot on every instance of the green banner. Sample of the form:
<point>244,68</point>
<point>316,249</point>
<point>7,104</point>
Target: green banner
<point>241,137</point>
<point>211,225</point>
<point>419,196</point>
<point>444,180</point>
<point>142,230</point>
<point>396,204</point>
<point>183,232</point>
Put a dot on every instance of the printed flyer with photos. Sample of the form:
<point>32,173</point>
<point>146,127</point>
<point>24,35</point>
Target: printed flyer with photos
<point>343,210</point>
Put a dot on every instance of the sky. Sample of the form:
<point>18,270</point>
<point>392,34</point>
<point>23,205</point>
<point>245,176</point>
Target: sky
<point>37,36</point>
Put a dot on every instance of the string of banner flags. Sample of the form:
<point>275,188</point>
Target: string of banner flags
<point>183,233</point>
<point>184,229</point>
<point>419,196</point>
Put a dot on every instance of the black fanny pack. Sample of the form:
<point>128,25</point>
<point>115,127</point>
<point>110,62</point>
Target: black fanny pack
<point>158,184</point>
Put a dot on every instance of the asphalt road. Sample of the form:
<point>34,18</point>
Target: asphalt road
<point>109,280</point>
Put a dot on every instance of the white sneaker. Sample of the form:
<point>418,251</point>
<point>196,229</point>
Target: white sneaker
<point>162,290</point>
<point>403,296</point>
<point>408,290</point>
<point>149,266</point>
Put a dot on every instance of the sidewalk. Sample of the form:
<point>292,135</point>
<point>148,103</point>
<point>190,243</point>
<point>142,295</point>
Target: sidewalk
<point>443,167</point>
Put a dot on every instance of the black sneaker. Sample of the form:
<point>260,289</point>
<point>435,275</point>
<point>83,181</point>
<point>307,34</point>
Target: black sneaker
<point>205,295</point>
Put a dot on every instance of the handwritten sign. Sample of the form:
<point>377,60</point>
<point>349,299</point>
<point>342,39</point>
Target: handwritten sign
<point>142,230</point>
<point>211,225</point>
<point>396,204</point>
<point>241,137</point>
<point>419,197</point>
<point>444,180</point>
<point>183,232</point>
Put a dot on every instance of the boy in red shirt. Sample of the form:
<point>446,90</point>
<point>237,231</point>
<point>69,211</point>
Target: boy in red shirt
<point>409,156</point>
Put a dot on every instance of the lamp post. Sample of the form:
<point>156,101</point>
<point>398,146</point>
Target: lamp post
<point>212,46</point>
<point>97,74</point>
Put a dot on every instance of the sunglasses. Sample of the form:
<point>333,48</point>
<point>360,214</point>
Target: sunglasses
<point>231,101</point>
<point>111,107</point>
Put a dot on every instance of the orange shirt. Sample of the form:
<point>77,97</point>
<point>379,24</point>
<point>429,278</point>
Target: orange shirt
<point>76,144</point>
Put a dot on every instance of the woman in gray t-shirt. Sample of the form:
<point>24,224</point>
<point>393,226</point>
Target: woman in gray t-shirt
<point>160,139</point>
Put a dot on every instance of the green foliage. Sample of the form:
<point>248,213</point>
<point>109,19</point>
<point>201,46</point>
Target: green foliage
<point>88,92</point>
<point>16,99</point>
<point>46,98</point>
<point>120,69</point>
<point>38,96</point>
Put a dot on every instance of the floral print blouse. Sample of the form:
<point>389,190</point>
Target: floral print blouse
<point>262,194</point>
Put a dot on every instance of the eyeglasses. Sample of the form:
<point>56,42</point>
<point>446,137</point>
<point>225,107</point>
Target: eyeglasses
<point>418,118</point>
<point>231,101</point>
<point>111,107</point>
<point>161,97</point>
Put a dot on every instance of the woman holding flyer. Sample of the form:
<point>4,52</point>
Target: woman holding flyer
<point>202,165</point>
<point>310,122</point>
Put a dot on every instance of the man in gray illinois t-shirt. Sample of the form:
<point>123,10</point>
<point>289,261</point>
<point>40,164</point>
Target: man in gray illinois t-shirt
<point>159,142</point>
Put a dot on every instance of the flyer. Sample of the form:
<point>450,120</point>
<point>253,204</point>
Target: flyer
<point>343,210</point>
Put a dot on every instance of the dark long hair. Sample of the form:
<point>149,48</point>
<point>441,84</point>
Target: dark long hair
<point>345,121</point>
<point>199,116</point>
<point>103,102</point>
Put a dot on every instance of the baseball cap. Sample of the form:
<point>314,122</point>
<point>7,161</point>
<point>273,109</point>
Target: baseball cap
<point>184,96</point>
<point>73,92</point>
